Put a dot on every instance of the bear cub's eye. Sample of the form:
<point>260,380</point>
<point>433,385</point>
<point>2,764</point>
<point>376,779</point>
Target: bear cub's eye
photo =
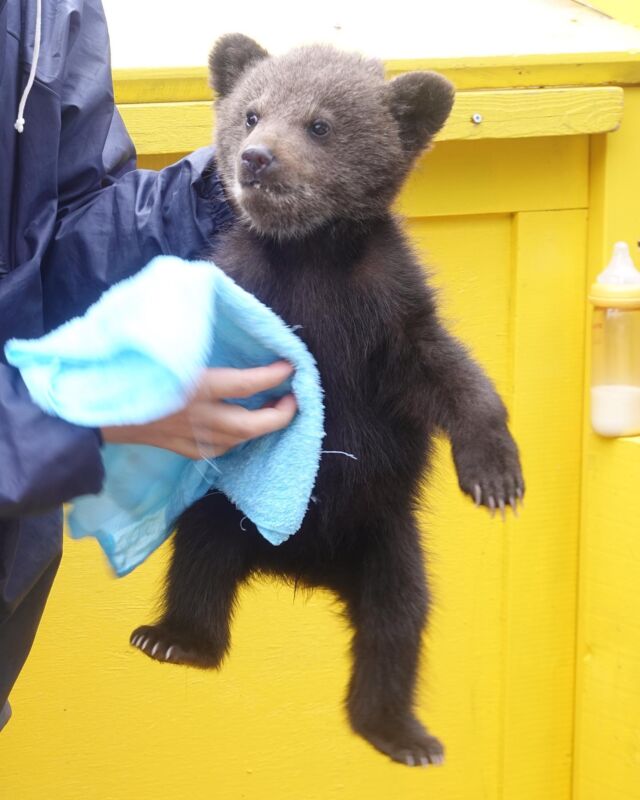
<point>319,128</point>
<point>251,120</point>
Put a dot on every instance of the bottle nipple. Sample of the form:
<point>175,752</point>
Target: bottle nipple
<point>620,271</point>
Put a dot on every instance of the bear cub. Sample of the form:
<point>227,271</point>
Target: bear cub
<point>312,148</point>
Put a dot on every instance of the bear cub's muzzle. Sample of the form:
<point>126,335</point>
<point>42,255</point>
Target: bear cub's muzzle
<point>256,163</point>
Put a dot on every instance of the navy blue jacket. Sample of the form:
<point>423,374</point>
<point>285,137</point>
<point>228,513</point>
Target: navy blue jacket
<point>75,217</point>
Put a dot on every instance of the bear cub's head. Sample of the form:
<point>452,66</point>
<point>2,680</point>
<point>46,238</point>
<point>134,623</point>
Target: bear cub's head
<point>317,135</point>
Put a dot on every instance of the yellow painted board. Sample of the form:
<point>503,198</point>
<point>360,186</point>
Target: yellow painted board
<point>524,113</point>
<point>181,127</point>
<point>497,177</point>
<point>466,546</point>
<point>161,85</point>
<point>521,71</point>
<point>542,551</point>
<point>462,674</point>
<point>189,84</point>
<point>607,736</point>
<point>168,127</point>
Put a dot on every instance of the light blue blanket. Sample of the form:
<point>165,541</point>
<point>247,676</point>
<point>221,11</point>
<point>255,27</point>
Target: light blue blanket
<point>133,357</point>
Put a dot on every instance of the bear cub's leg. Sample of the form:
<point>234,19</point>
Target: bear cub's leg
<point>209,561</point>
<point>387,605</point>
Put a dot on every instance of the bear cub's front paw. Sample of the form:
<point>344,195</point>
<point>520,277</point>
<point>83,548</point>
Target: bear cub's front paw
<point>489,470</point>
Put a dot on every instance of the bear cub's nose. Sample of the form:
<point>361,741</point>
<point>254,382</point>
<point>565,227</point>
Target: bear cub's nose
<point>256,160</point>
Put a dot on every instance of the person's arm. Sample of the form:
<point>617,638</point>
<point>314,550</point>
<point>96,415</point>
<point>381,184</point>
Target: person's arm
<point>142,214</point>
<point>111,221</point>
<point>43,460</point>
<point>47,461</point>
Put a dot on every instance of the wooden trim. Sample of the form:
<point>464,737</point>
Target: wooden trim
<point>168,127</point>
<point>534,112</point>
<point>541,548</point>
<point>181,127</point>
<point>173,84</point>
<point>608,641</point>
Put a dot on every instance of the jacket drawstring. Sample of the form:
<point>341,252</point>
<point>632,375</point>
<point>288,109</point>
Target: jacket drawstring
<point>20,121</point>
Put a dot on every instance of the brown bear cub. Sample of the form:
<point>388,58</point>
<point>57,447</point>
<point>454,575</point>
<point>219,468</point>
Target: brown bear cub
<point>312,148</point>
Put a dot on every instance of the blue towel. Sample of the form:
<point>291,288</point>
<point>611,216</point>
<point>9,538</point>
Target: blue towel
<point>134,357</point>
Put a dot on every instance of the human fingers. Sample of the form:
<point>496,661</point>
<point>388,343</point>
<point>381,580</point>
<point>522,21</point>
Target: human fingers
<point>217,423</point>
<point>229,383</point>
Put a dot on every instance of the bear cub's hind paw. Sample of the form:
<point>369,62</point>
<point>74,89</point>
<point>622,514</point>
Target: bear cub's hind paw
<point>408,744</point>
<point>162,644</point>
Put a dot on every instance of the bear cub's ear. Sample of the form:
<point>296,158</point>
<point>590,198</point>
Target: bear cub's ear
<point>229,58</point>
<point>420,103</point>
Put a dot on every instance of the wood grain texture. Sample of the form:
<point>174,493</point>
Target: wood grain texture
<point>607,735</point>
<point>531,112</point>
<point>548,315</point>
<point>498,177</point>
<point>189,84</point>
<point>182,127</point>
<point>608,722</point>
<point>168,127</point>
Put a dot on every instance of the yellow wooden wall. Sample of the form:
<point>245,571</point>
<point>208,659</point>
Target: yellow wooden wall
<point>607,743</point>
<point>504,225</point>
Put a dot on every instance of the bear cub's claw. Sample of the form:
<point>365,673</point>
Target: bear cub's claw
<point>489,472</point>
<point>161,644</point>
<point>410,745</point>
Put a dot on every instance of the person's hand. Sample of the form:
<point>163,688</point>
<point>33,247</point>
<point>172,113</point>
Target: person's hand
<point>208,426</point>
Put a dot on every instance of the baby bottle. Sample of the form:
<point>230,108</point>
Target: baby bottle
<point>615,367</point>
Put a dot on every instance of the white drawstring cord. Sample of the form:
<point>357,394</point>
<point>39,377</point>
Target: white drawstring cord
<point>20,121</point>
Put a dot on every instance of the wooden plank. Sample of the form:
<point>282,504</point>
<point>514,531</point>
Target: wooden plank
<point>608,725</point>
<point>181,127</point>
<point>541,557</point>
<point>607,731</point>
<point>499,176</point>
<point>531,112</point>
<point>469,259</point>
<point>161,85</point>
<point>560,69</point>
<point>188,84</point>
<point>158,128</point>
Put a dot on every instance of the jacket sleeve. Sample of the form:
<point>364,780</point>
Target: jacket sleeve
<point>111,221</point>
<point>174,211</point>
<point>46,461</point>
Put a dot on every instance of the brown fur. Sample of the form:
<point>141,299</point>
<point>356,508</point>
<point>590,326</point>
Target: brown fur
<point>315,240</point>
